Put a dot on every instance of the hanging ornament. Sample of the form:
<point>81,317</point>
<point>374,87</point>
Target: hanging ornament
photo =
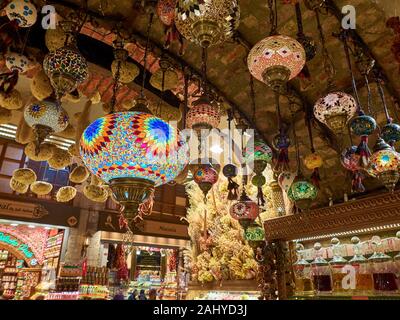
<point>259,181</point>
<point>314,161</point>
<point>205,176</point>
<point>203,115</point>
<point>244,210</point>
<point>350,160</point>
<point>258,151</point>
<point>16,64</point>
<point>45,117</point>
<point>285,180</point>
<point>166,78</point>
<point>335,110</point>
<point>23,12</point>
<point>282,142</point>
<point>307,43</point>
<point>254,233</point>
<point>384,164</point>
<point>166,13</point>
<point>207,23</point>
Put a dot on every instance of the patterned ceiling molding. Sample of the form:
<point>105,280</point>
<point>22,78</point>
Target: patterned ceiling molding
<point>379,210</point>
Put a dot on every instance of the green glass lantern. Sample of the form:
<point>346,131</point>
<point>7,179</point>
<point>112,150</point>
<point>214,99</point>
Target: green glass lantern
<point>254,232</point>
<point>302,192</point>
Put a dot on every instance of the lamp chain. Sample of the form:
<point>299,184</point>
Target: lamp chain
<point>273,17</point>
<point>378,80</point>
<point>296,144</point>
<point>204,69</point>
<point>145,54</point>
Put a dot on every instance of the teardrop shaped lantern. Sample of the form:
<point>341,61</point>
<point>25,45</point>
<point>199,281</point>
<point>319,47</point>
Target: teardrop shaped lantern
<point>207,23</point>
<point>244,210</point>
<point>335,110</point>
<point>384,164</point>
<point>205,176</point>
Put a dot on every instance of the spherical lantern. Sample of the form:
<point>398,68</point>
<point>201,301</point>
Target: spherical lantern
<point>203,115</point>
<point>285,180</point>
<point>254,233</point>
<point>363,125</point>
<point>258,150</point>
<point>302,193</point>
<point>17,62</point>
<point>349,159</point>
<point>208,22</point>
<point>166,11</point>
<point>230,171</point>
<point>133,152</point>
<point>244,210</point>
<point>384,164</point>
<point>335,109</point>
<point>276,60</point>
<point>66,69</point>
<point>205,176</point>
<point>23,12</point>
<point>391,133</point>
<point>258,180</point>
<point>45,117</point>
<point>313,161</point>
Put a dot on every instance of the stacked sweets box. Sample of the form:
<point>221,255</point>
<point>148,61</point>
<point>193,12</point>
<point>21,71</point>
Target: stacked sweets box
<point>96,276</point>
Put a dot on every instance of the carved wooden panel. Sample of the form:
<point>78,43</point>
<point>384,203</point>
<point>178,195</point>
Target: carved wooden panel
<point>374,211</point>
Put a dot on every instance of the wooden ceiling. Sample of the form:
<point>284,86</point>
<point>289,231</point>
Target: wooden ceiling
<point>229,76</point>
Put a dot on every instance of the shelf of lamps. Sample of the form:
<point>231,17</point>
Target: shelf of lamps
<point>373,214</point>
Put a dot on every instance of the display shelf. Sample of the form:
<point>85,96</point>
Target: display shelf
<point>361,216</point>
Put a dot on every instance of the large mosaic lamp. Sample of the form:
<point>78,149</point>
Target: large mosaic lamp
<point>203,115</point>
<point>335,110</point>
<point>276,60</point>
<point>133,152</point>
<point>45,117</point>
<point>258,154</point>
<point>384,164</point>
<point>205,176</point>
<point>244,210</point>
<point>302,192</point>
<point>66,69</point>
<point>208,22</point>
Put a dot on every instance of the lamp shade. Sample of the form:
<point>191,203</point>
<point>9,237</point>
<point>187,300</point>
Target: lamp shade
<point>133,145</point>
<point>335,110</point>
<point>302,192</point>
<point>23,12</point>
<point>244,209</point>
<point>285,180</point>
<point>17,62</point>
<point>205,176</point>
<point>48,113</point>
<point>313,161</point>
<point>66,69</point>
<point>276,51</point>
<point>391,133</point>
<point>254,233</point>
<point>258,150</point>
<point>350,159</point>
<point>363,125</point>
<point>207,22</point>
<point>203,115</point>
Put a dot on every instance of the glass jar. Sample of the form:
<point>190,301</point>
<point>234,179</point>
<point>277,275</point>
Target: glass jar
<point>337,267</point>
<point>362,270</point>
<point>321,272</point>
<point>383,269</point>
<point>302,274</point>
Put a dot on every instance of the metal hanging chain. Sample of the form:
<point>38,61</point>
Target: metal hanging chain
<point>310,135</point>
<point>278,110</point>
<point>253,98</point>
<point>244,179</point>
<point>350,137</point>
<point>296,144</point>
<point>145,54</point>
<point>185,96</point>
<point>273,17</point>
<point>204,69</point>
<point>369,99</point>
<point>378,80</point>
<point>353,80</point>
<point>230,118</point>
<point>115,87</point>
<point>300,31</point>
<point>329,66</point>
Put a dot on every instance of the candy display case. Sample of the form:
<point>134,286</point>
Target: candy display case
<point>226,290</point>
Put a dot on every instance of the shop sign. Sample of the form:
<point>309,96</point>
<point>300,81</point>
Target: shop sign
<point>22,209</point>
<point>21,247</point>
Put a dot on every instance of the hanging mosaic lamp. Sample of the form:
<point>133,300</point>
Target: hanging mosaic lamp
<point>313,162</point>
<point>259,181</point>
<point>285,180</point>
<point>205,176</point>
<point>16,63</point>
<point>281,142</point>
<point>203,115</point>
<point>254,233</point>
<point>133,152</point>
<point>230,171</point>
<point>302,192</point>
<point>276,60</point>
<point>23,12</point>
<point>350,160</point>
<point>45,117</point>
<point>384,164</point>
<point>335,110</point>
<point>244,210</point>
<point>207,23</point>
<point>259,154</point>
<point>363,126</point>
<point>390,132</point>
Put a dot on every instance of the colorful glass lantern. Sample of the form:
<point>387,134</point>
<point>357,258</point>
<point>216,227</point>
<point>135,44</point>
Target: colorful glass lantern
<point>166,11</point>
<point>254,233</point>
<point>281,142</point>
<point>208,22</point>
<point>133,152</point>
<point>17,62</point>
<point>244,210</point>
<point>205,176</point>
<point>23,12</point>
<point>313,161</point>
<point>391,133</point>
<point>230,171</point>
<point>276,60</point>
<point>384,164</point>
<point>350,159</point>
<point>302,192</point>
<point>45,117</point>
<point>258,150</point>
<point>285,180</point>
<point>335,110</point>
<point>66,69</point>
<point>203,115</point>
